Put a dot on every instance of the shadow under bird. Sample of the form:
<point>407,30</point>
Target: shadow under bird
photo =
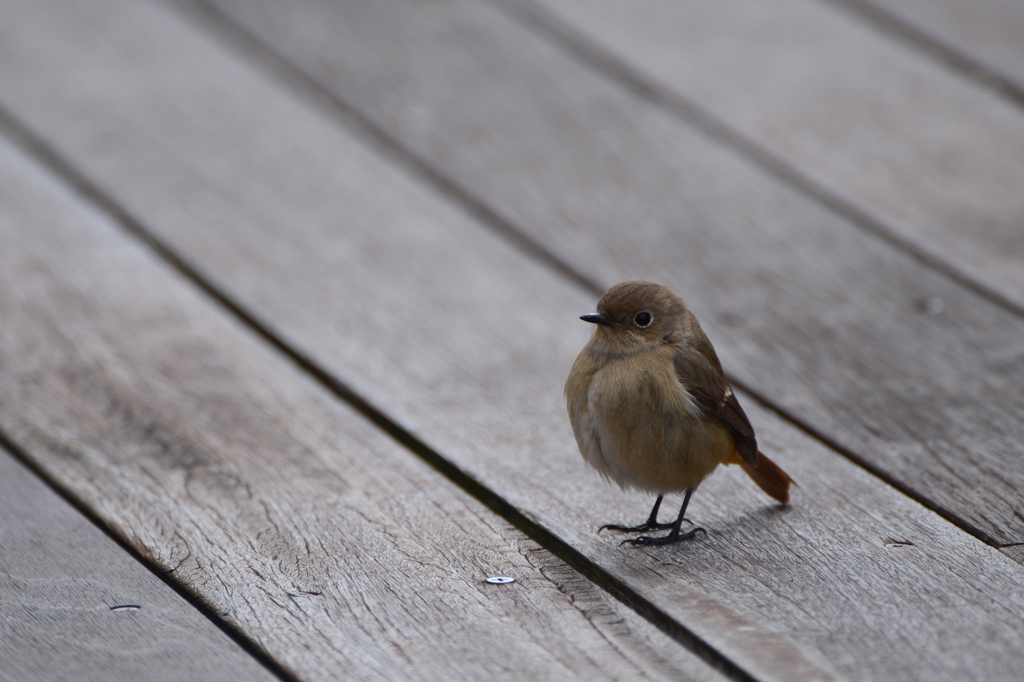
<point>651,408</point>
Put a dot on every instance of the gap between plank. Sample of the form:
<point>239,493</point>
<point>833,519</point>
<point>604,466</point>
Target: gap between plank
<point>18,133</point>
<point>214,19</point>
<point>597,58</point>
<point>849,454</point>
<point>211,18</point>
<point>236,636</point>
<point>901,29</point>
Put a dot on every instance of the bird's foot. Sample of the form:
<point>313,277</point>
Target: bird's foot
<point>642,528</point>
<point>664,539</point>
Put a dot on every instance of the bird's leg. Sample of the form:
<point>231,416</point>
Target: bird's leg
<point>650,524</point>
<point>673,535</point>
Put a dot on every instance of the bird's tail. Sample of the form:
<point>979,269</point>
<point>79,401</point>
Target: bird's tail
<point>769,477</point>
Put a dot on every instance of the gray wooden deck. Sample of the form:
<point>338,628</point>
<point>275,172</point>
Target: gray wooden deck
<point>288,293</point>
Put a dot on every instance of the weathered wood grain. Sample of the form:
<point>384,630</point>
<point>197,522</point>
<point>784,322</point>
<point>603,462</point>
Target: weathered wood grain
<point>1015,552</point>
<point>62,582</point>
<point>986,33</point>
<point>823,320</point>
<point>466,342</point>
<point>320,539</point>
<point>922,152</point>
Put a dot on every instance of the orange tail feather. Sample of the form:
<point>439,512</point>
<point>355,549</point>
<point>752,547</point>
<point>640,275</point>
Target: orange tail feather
<point>769,477</point>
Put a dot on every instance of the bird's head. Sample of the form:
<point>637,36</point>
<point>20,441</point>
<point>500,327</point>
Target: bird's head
<point>635,314</point>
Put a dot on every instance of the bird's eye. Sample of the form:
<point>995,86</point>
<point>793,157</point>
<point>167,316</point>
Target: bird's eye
<point>643,319</point>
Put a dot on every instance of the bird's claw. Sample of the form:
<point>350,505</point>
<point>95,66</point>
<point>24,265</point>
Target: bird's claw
<point>645,540</point>
<point>642,528</point>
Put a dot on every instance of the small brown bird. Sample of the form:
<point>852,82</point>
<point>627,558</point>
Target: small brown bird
<point>651,408</point>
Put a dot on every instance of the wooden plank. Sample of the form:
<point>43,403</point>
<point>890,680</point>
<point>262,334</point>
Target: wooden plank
<point>317,537</point>
<point>825,322</point>
<point>1015,552</point>
<point>466,342</point>
<point>78,607</point>
<point>917,151</point>
<point>981,37</point>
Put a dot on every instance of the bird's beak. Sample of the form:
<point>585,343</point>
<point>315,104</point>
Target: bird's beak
<point>596,318</point>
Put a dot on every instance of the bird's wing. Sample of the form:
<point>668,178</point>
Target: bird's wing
<point>708,386</point>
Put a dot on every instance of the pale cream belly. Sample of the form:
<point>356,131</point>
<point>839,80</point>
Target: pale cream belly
<point>646,432</point>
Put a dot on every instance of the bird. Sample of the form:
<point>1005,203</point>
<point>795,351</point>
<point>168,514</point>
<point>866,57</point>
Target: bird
<point>652,410</point>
